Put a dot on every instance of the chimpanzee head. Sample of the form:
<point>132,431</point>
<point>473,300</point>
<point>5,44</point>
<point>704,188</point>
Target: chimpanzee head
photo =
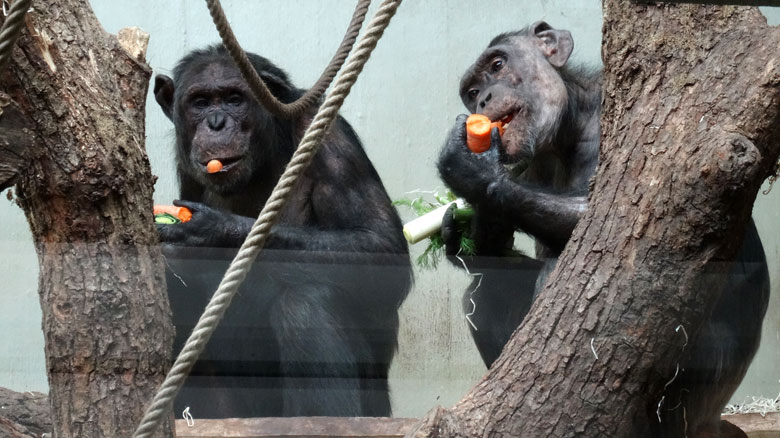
<point>516,80</point>
<point>217,118</point>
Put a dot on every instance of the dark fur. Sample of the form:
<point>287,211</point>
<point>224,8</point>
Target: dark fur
<point>546,199</point>
<point>313,329</point>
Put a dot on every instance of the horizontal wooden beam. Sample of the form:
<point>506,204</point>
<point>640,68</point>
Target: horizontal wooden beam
<point>755,425</point>
<point>721,2</point>
<point>319,427</point>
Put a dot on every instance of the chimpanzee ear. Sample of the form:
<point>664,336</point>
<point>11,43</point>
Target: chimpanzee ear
<point>163,93</point>
<point>557,44</point>
<point>278,86</point>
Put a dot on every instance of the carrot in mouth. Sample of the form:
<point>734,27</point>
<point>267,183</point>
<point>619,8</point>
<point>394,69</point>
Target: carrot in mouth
<point>478,129</point>
<point>214,166</point>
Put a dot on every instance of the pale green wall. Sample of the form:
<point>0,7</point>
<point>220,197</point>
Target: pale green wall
<point>410,82</point>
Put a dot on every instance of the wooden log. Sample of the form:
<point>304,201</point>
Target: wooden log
<point>757,425</point>
<point>320,427</point>
<point>24,414</point>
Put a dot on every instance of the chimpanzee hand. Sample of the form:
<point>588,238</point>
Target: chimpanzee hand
<point>469,174</point>
<point>450,232</point>
<point>491,233</point>
<point>208,227</point>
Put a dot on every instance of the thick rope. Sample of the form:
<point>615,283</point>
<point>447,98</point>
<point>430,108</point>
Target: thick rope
<point>11,29</point>
<point>255,82</point>
<point>251,247</point>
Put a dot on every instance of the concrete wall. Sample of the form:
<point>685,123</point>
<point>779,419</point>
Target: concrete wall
<point>402,106</point>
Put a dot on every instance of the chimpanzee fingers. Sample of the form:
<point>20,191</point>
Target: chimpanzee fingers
<point>454,156</point>
<point>458,132</point>
<point>448,222</point>
<point>449,231</point>
<point>168,233</point>
<point>192,206</point>
<point>495,140</point>
<point>182,234</point>
<point>493,154</point>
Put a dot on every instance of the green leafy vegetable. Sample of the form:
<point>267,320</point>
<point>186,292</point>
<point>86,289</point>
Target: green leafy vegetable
<point>429,259</point>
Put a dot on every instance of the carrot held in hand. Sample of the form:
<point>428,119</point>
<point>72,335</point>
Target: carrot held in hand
<point>181,214</point>
<point>478,129</point>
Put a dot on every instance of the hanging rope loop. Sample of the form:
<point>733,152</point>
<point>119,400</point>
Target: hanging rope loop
<point>255,82</point>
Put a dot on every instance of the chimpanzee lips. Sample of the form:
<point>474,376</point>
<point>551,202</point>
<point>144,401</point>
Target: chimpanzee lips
<point>507,118</point>
<point>517,142</point>
<point>227,163</point>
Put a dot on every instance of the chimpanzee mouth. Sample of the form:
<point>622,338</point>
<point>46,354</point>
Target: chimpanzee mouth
<point>517,140</point>
<point>227,163</point>
<point>507,118</point>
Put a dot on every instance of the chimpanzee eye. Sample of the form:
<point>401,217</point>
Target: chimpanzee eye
<point>473,93</point>
<point>200,103</point>
<point>497,64</point>
<point>235,99</point>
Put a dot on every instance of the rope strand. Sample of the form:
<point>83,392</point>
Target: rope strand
<point>251,247</point>
<point>255,82</point>
<point>12,29</point>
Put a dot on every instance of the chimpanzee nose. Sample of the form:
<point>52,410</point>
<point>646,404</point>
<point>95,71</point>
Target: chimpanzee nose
<point>486,100</point>
<point>216,120</point>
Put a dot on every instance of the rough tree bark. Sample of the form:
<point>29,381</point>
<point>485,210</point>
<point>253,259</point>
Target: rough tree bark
<point>72,140</point>
<point>24,415</point>
<point>690,125</point>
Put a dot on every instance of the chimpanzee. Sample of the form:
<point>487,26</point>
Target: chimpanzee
<point>535,179</point>
<point>314,328</point>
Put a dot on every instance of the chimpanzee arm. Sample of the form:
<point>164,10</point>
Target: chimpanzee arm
<point>549,217</point>
<point>482,181</point>
<point>346,220</point>
<point>345,206</point>
<point>215,228</point>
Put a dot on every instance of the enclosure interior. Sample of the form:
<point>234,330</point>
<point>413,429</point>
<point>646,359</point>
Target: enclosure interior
<point>402,108</point>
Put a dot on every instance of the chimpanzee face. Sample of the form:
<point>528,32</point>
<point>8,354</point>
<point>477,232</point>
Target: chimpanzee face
<point>216,118</point>
<point>516,81</point>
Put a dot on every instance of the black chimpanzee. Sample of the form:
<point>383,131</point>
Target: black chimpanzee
<point>314,328</point>
<point>535,179</point>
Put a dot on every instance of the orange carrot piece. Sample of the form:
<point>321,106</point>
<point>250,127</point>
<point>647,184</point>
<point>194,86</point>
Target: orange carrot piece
<point>183,213</point>
<point>214,166</point>
<point>478,129</point>
<point>501,127</point>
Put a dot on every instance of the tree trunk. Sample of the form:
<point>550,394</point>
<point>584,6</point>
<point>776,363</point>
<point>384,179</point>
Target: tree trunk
<point>690,124</point>
<point>72,139</point>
